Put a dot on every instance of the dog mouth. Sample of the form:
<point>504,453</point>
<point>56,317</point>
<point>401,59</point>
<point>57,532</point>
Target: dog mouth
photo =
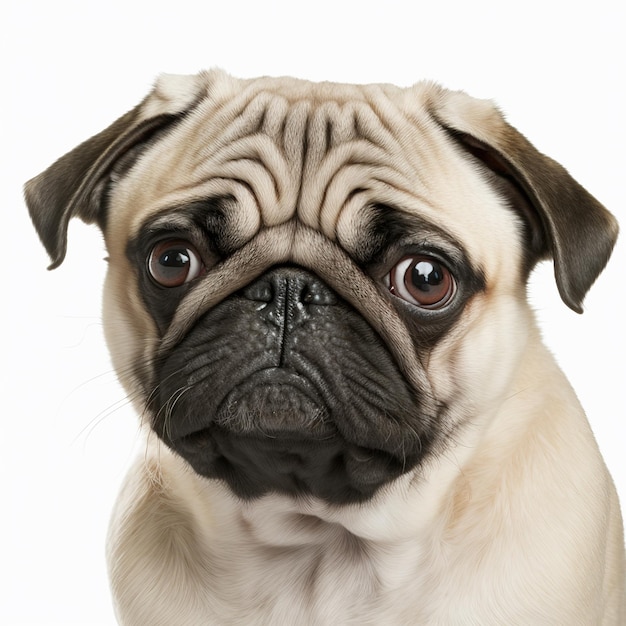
<point>275,432</point>
<point>275,402</point>
<point>300,432</point>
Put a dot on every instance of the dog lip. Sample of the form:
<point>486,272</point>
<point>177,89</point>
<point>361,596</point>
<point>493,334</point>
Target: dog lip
<point>274,405</point>
<point>275,401</point>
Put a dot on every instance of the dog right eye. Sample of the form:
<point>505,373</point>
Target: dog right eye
<point>174,262</point>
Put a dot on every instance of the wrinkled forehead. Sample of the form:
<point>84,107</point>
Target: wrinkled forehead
<point>320,154</point>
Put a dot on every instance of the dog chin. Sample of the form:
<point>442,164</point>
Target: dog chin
<point>257,464</point>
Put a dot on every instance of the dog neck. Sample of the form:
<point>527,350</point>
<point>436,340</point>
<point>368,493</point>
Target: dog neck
<point>320,556</point>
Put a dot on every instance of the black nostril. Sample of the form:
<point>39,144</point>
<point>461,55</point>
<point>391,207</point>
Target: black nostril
<point>298,286</point>
<point>315,292</point>
<point>259,291</point>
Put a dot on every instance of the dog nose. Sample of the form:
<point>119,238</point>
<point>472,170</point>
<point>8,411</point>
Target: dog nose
<point>287,297</point>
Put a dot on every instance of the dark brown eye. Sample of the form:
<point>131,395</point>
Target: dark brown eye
<point>174,262</point>
<point>422,281</point>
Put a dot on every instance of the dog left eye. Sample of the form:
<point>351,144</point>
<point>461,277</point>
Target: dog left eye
<point>174,262</point>
<point>423,281</point>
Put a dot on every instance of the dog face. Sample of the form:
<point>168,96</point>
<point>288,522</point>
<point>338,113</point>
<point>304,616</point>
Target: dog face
<point>312,288</point>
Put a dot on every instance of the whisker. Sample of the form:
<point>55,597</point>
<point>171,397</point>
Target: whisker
<point>167,408</point>
<point>101,417</point>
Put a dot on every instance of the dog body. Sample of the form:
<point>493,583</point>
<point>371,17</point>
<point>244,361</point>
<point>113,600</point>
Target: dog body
<point>316,299</point>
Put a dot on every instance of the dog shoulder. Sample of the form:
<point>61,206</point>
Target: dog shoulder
<point>152,551</point>
<point>535,492</point>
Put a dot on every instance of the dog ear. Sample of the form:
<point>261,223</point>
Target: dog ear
<point>566,222</point>
<point>75,184</point>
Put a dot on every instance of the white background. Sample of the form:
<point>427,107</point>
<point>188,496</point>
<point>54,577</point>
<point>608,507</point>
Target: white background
<point>70,68</point>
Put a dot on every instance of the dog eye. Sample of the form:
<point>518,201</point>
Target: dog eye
<point>174,262</point>
<point>422,281</point>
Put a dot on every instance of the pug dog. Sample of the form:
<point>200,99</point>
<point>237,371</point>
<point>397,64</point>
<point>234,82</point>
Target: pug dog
<point>316,299</point>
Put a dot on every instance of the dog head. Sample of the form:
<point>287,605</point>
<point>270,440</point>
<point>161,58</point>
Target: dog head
<point>312,287</point>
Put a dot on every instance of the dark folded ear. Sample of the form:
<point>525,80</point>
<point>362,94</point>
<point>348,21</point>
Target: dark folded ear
<point>566,222</point>
<point>74,185</point>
